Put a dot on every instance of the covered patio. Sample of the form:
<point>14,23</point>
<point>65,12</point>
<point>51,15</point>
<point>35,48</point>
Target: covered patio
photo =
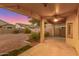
<point>51,47</point>
<point>55,14</point>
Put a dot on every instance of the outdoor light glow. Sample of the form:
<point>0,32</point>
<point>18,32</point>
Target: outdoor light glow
<point>55,20</point>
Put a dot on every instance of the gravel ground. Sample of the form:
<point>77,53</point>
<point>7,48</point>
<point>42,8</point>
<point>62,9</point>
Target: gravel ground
<point>10,42</point>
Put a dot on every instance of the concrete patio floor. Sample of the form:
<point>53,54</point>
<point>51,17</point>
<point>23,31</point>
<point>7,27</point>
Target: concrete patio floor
<point>50,48</point>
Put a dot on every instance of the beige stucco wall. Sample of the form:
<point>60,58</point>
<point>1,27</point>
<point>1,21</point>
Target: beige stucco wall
<point>74,42</point>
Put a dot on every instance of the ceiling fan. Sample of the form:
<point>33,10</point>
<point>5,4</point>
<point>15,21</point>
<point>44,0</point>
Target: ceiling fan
<point>63,14</point>
<point>56,10</point>
<point>57,17</point>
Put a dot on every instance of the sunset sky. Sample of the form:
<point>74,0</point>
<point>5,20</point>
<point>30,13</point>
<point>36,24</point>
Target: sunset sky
<point>12,17</point>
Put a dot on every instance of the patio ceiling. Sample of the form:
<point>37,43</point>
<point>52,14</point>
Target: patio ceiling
<point>40,9</point>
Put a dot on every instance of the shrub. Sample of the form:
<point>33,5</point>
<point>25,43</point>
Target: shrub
<point>16,31</point>
<point>47,34</point>
<point>35,36</point>
<point>27,30</point>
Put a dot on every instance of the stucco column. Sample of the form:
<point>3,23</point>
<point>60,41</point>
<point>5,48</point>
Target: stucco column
<point>42,30</point>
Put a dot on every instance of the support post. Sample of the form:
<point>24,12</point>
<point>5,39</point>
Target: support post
<point>42,30</point>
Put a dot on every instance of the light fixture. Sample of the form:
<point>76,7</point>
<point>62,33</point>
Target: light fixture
<point>55,20</point>
<point>45,4</point>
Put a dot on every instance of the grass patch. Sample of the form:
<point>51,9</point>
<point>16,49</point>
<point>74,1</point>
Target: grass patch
<point>17,51</point>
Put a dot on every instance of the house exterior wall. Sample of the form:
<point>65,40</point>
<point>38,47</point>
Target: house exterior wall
<point>74,40</point>
<point>50,28</point>
<point>59,30</point>
<point>7,29</point>
<point>56,29</point>
<point>20,26</point>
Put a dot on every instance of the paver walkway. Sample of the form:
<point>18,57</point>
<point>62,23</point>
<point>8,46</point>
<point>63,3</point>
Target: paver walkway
<point>50,48</point>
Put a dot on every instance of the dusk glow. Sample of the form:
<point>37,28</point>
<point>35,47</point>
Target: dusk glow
<point>12,17</point>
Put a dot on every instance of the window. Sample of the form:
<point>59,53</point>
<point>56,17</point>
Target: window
<point>70,30</point>
<point>9,27</point>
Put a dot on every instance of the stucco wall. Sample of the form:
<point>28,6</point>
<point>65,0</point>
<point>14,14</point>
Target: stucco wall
<point>74,42</point>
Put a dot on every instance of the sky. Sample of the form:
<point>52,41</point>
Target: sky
<point>12,17</point>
